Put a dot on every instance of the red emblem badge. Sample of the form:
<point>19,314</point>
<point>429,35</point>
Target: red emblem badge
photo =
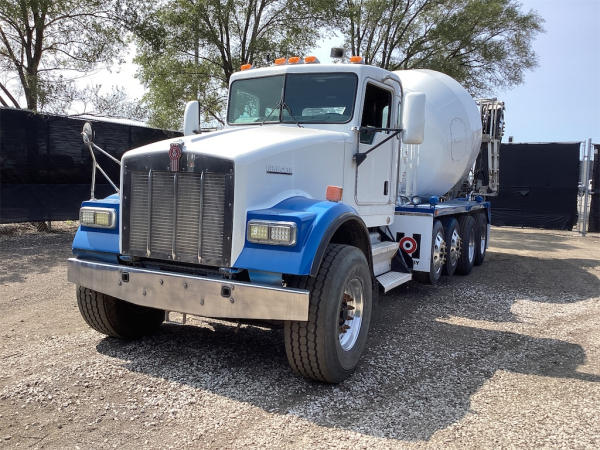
<point>408,244</point>
<point>175,155</point>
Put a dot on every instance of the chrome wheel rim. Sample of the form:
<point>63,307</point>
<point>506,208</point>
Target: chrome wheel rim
<point>351,313</point>
<point>482,243</point>
<point>439,252</point>
<point>454,252</point>
<point>471,247</point>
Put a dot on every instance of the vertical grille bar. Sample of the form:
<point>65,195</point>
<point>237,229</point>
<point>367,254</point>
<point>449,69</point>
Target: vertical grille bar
<point>200,216</point>
<point>174,234</point>
<point>149,238</point>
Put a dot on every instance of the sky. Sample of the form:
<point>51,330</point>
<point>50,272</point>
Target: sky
<point>559,100</point>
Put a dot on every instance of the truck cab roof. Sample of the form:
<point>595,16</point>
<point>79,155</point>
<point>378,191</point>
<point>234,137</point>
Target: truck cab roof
<point>362,70</point>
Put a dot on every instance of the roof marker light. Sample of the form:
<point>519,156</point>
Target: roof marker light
<point>280,61</point>
<point>293,60</point>
<point>311,60</point>
<point>245,66</point>
<point>356,59</point>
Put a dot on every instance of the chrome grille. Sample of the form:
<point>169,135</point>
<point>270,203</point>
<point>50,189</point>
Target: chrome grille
<point>214,203</point>
<point>177,216</point>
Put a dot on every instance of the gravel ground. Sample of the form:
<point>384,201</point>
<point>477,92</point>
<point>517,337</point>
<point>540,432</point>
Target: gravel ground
<point>508,356</point>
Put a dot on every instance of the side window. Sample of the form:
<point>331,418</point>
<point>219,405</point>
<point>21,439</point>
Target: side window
<point>376,111</point>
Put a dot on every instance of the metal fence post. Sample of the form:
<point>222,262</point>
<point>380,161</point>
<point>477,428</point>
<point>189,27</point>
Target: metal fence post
<point>586,183</point>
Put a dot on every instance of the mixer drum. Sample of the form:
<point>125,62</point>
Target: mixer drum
<point>452,136</point>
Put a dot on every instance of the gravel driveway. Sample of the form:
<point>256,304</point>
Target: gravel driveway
<point>507,356</point>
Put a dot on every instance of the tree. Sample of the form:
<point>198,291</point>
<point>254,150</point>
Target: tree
<point>481,43</point>
<point>188,49</point>
<point>116,103</point>
<point>42,41</point>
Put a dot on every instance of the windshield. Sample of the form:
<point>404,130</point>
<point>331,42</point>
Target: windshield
<point>293,98</point>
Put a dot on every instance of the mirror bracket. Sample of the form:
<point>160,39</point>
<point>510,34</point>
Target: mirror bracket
<point>359,158</point>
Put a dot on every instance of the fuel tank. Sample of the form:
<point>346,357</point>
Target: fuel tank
<point>452,135</point>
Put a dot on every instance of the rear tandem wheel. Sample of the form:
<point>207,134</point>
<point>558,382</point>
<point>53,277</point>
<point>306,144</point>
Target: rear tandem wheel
<point>453,245</point>
<point>467,252</point>
<point>480,237</point>
<point>438,256</point>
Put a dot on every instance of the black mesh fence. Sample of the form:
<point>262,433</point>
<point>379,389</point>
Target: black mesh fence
<point>538,186</point>
<point>45,169</point>
<point>594,219</point>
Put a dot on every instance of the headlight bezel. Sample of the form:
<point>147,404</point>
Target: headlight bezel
<point>96,210</point>
<point>293,232</point>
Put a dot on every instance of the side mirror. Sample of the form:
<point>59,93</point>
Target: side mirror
<point>413,118</point>
<point>191,118</point>
<point>87,133</point>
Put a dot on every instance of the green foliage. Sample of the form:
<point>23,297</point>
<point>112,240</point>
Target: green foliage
<point>41,41</point>
<point>481,43</point>
<point>188,49</point>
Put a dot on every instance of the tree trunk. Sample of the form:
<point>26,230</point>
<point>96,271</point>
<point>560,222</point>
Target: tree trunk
<point>31,90</point>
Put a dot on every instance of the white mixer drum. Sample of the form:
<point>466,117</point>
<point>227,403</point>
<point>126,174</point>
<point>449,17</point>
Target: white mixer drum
<point>452,134</point>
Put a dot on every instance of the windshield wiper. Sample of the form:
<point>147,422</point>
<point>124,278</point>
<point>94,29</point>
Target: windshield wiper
<point>280,106</point>
<point>276,107</point>
<point>284,105</point>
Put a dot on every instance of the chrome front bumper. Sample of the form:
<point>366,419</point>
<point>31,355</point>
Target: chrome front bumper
<point>203,296</point>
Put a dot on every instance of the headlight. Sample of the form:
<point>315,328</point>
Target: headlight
<point>274,233</point>
<point>97,217</point>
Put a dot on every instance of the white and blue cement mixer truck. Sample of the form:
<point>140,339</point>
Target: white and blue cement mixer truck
<point>329,184</point>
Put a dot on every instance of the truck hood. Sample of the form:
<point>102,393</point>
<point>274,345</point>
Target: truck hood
<point>247,144</point>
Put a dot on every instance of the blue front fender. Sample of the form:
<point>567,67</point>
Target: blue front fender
<point>316,220</point>
<point>98,243</point>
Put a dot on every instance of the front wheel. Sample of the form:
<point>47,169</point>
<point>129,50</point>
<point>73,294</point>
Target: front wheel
<point>115,317</point>
<point>329,345</point>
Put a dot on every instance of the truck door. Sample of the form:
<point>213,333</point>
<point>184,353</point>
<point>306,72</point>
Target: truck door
<point>374,175</point>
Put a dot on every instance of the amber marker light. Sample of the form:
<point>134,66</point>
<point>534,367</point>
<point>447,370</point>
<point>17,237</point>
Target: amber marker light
<point>356,59</point>
<point>280,61</point>
<point>310,60</point>
<point>245,66</point>
<point>334,193</point>
<point>293,60</point>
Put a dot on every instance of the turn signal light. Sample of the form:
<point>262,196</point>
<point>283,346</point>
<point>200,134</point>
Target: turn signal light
<point>280,61</point>
<point>310,60</point>
<point>245,66</point>
<point>293,60</point>
<point>356,59</point>
<point>334,193</point>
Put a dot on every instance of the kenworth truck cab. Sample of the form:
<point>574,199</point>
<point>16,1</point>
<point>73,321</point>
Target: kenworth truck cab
<point>328,184</point>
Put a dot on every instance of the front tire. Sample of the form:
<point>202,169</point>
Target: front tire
<point>329,345</point>
<point>117,318</point>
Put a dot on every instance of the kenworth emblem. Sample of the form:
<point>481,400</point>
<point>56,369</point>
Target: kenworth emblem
<point>175,155</point>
